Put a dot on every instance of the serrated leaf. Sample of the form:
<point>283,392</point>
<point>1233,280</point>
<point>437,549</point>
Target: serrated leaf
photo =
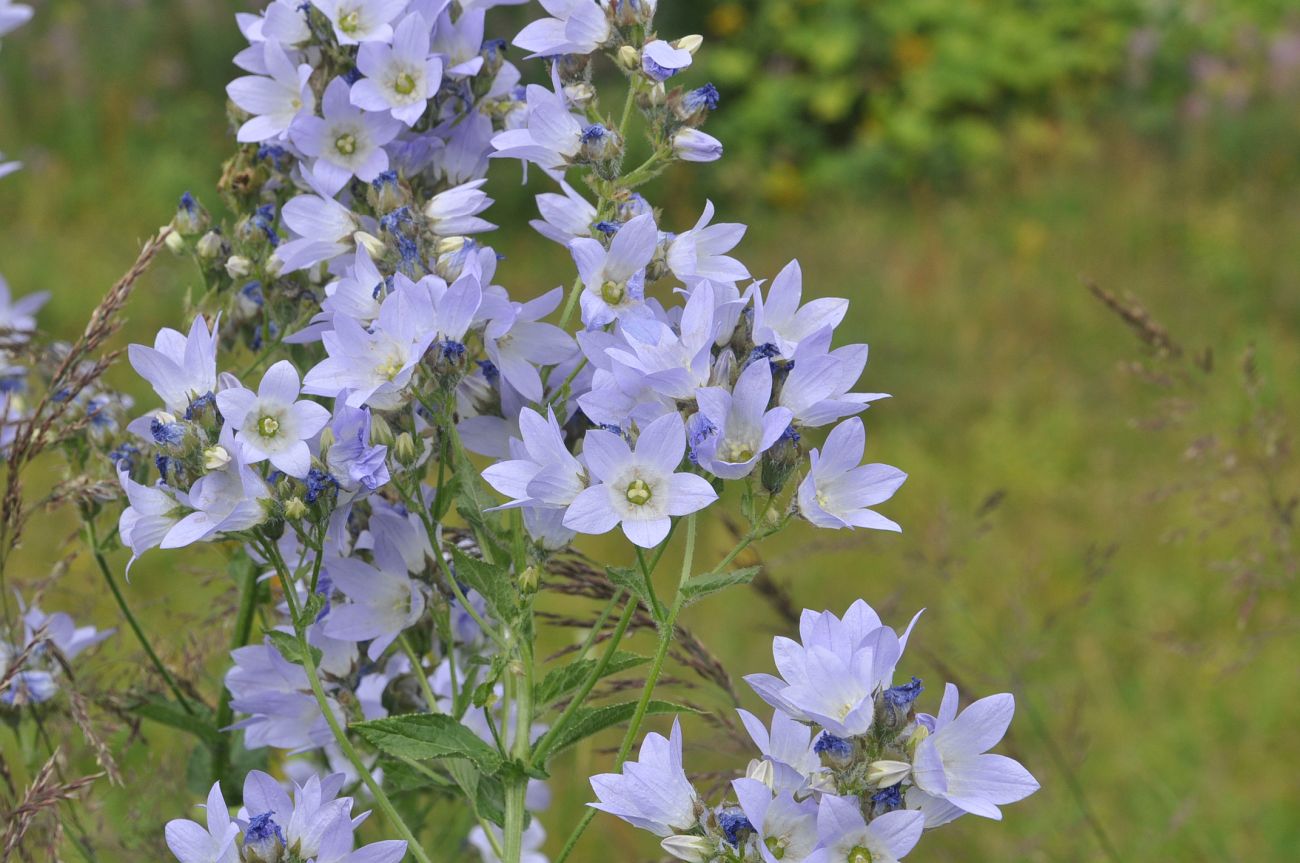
<point>706,585</point>
<point>291,648</point>
<point>492,581</point>
<point>633,582</point>
<point>563,681</point>
<point>169,713</point>
<point>422,735</point>
<point>592,720</point>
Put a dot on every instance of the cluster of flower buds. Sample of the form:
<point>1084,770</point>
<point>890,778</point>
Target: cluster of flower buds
<point>848,770</point>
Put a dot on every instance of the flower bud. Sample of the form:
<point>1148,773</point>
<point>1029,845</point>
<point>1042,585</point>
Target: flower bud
<point>836,752</point>
<point>780,461</point>
<point>449,245</point>
<point>629,58</point>
<point>263,840</point>
<point>692,145</point>
<point>211,245</point>
<point>238,266</point>
<point>894,705</point>
<point>387,194</point>
<point>326,441</point>
<point>656,95</point>
<point>580,95</point>
<point>690,43</point>
<point>692,849</point>
<point>381,434</point>
<point>373,244</point>
<point>215,457</point>
<point>405,450</point>
<point>599,144</point>
<point>174,242</point>
<point>191,219</point>
<point>529,580</point>
<point>885,773</point>
<point>693,106</point>
<point>762,770</point>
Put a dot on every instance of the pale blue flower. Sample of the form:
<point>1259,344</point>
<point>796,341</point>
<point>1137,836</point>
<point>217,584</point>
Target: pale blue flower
<point>400,78</point>
<point>224,501</point>
<point>13,15</point>
<point>953,769</point>
<point>518,342</point>
<point>353,459</point>
<point>460,41</point>
<point>325,229</point>
<point>818,389</point>
<point>844,833</point>
<point>551,137</point>
<point>361,20</point>
<point>275,99</point>
<point>786,828</point>
<point>575,27</point>
<point>179,368</point>
<point>384,602</point>
<point>564,217</point>
<point>745,428</point>
<point>152,511</point>
<point>660,60</point>
<point>215,843</point>
<point>18,317</point>
<point>832,677</point>
<point>455,211</point>
<point>788,746</point>
<point>651,792</point>
<point>613,279</point>
<point>346,142</point>
<point>692,145</point>
<point>779,318</point>
<point>701,252</point>
<point>273,423</point>
<point>638,489</point>
<point>838,490</point>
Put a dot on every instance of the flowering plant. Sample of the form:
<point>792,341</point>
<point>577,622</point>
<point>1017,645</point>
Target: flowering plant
<point>400,458</point>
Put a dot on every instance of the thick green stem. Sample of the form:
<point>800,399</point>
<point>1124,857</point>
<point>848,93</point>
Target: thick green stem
<point>92,540</point>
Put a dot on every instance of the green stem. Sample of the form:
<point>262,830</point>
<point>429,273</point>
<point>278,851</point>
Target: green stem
<point>417,668</point>
<point>340,735</point>
<point>571,302</point>
<point>544,745</point>
<point>93,541</point>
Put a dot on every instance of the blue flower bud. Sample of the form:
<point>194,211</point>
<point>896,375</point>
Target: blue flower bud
<point>836,752</point>
<point>735,826</point>
<point>263,840</point>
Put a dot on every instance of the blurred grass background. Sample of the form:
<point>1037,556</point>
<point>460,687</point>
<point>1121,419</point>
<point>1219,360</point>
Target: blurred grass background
<point>1105,533</point>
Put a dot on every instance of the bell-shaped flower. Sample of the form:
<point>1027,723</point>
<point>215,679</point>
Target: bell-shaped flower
<point>384,602</point>
<point>226,500</point>
<point>818,389</point>
<point>400,78</point>
<point>638,489</point>
<point>779,319</point>
<point>346,142</point>
<point>375,365</point>
<point>845,834</point>
<point>743,427</point>
<point>275,99</point>
<point>701,252</point>
<point>838,490</point>
<point>574,27</point>
<point>787,746</point>
<point>517,342</point>
<point>273,423</point>
<point>564,217</point>
<point>786,828</point>
<point>455,211</point>
<point>179,368</point>
<point>325,229</point>
<point>652,792</point>
<point>953,770</point>
<point>215,843</point>
<point>613,279</point>
<point>152,512</point>
<point>832,676</point>
<point>358,21</point>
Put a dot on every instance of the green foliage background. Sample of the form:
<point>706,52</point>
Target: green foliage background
<point>1108,535</point>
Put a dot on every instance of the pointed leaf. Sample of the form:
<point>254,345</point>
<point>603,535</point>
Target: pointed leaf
<point>421,735</point>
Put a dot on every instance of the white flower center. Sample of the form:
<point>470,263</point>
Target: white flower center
<point>268,426</point>
<point>737,452</point>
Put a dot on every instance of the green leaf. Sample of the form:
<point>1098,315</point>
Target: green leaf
<point>706,585</point>
<point>291,648</point>
<point>563,681</point>
<point>633,582</point>
<point>166,712</point>
<point>592,720</point>
<point>422,735</point>
<point>491,580</point>
<point>400,776</point>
